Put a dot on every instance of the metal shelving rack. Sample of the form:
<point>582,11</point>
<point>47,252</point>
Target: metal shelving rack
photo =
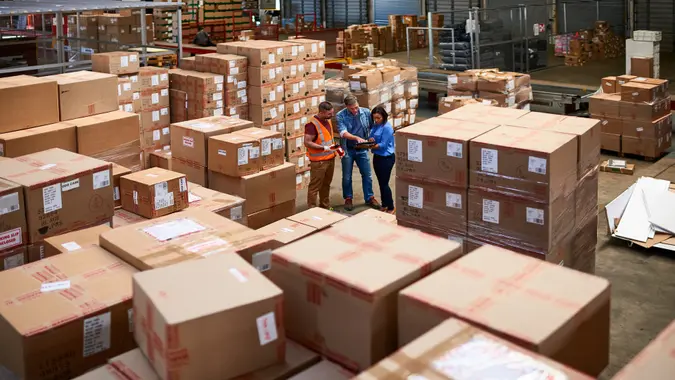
<point>59,9</point>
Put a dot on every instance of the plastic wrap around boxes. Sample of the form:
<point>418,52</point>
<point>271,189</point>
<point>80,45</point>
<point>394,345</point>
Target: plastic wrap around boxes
<point>506,89</point>
<point>634,114</point>
<point>379,82</point>
<point>459,176</point>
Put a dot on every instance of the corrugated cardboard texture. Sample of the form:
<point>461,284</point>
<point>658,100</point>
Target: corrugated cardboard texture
<point>112,137</point>
<point>371,214</point>
<point>225,205</point>
<point>287,231</point>
<point>455,347</point>
<point>270,215</point>
<point>567,311</point>
<point>37,98</point>
<point>154,192</point>
<point>65,315</point>
<point>85,93</point>
<point>329,276</point>
<point>63,191</point>
<point>189,139</point>
<point>317,218</point>
<point>19,143</point>
<point>488,115</point>
<point>74,241</point>
<point>223,307</point>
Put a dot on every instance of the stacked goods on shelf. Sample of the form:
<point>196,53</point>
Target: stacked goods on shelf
<point>229,16</point>
<point>190,146</point>
<point>590,44</point>
<point>362,41</point>
<point>635,115</point>
<point>84,39</point>
<point>418,38</point>
<point>107,32</point>
<point>507,89</point>
<point>397,33</point>
<point>644,50</point>
<point>165,24</point>
<point>234,69</point>
<point>155,115</point>
<point>200,93</point>
<point>449,103</point>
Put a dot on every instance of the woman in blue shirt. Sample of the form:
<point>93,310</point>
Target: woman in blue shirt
<point>382,134</point>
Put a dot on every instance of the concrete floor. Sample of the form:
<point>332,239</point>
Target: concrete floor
<point>643,284</point>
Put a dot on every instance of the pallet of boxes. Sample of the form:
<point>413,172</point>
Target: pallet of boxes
<point>489,87</point>
<point>635,117</point>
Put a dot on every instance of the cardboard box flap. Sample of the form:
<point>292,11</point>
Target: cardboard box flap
<point>214,123</point>
<point>49,165</point>
<point>349,251</point>
<point>450,129</point>
<point>80,76</point>
<point>77,240</point>
<point>471,112</point>
<point>24,80</point>
<point>69,286</point>
<point>199,195</point>
<point>134,365</point>
<point>317,217</point>
<point>200,293</point>
<point>287,231</point>
<point>38,130</point>
<point>493,295</point>
<point>153,175</point>
<point>528,140</point>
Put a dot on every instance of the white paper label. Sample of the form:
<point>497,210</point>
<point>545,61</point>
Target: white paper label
<point>164,92</point>
<point>52,286</point>
<point>254,152</point>
<point>453,200</point>
<point>156,135</point>
<point>298,179</point>
<point>490,211</point>
<point>116,193</point>
<point>266,146</point>
<point>273,113</point>
<point>414,150</point>
<point>236,213</point>
<point>127,87</point>
<point>296,107</point>
<point>273,97</point>
<point>70,185</point>
<point>96,334</point>
<point>271,58</point>
<point>301,162</point>
<point>452,79</point>
<point>415,196</point>
<point>489,161</point>
<point>71,246</point>
<point>155,116</point>
<point>155,98</point>
<point>272,74</point>
<point>173,229</point>
<point>277,143</point>
<point>536,165</point>
<point>242,156</point>
<point>9,203</point>
<point>454,149</point>
<point>51,198</point>
<point>124,61</point>
<point>14,261</point>
<point>101,179</point>
<point>155,80</point>
<point>262,260</point>
<point>535,216</point>
<point>267,328</point>
<point>182,184</point>
<point>164,77</point>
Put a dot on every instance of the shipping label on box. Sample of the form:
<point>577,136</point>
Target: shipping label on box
<point>234,155</point>
<point>154,192</point>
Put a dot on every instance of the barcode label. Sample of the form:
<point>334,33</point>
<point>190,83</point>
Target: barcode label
<point>453,200</point>
<point>102,179</point>
<point>536,165</point>
<point>454,149</point>
<point>535,216</point>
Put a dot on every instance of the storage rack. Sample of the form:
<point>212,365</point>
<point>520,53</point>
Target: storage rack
<point>60,9</point>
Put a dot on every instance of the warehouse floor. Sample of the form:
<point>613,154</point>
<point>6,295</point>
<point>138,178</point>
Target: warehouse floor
<point>643,284</point>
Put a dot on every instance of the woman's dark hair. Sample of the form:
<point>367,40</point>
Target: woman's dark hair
<point>380,111</point>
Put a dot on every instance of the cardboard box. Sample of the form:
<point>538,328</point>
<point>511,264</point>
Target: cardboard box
<point>85,93</point>
<point>262,76</point>
<point>134,365</point>
<point>151,77</point>
<point>56,186</point>
<point>365,80</point>
<point>324,370</point>
<point>318,218</point>
<point>125,95</point>
<point>610,125</point>
<point>287,231</point>
<point>610,142</point>
<point>295,145</point>
<point>73,241</point>
<point>234,155</point>
<point>261,190</point>
<point>111,137</point>
<point>431,204</point>
<point>253,299</point>
<point>609,85</point>
<point>623,79</point>
<point>310,49</point>
<point>267,114</point>
<point>259,95</point>
<point>298,359</point>
<point>19,143</point>
<point>37,98</point>
<point>161,159</point>
<point>644,111</point>
<point>259,53</point>
<point>295,126</point>
<point>654,361</point>
<point>647,147</point>
<point>154,98</point>
<point>487,115</point>
<point>372,214</point>
<point>431,145</point>
<point>605,105</point>
<point>558,296</point>
<point>223,64</point>
<point>154,192</point>
<point>535,164</point>
<point>117,172</point>
<point>347,249</point>
<point>271,146</point>
<point>13,258</point>
<point>118,62</point>
<point>639,92</point>
<point>189,139</point>
<point>193,171</point>
<point>453,338</point>
<point>644,129</point>
<point>124,218</point>
<point>88,295</point>
<point>225,205</point>
<point>270,215</point>
<point>642,66</point>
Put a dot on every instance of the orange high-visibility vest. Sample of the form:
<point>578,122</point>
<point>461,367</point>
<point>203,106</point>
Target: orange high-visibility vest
<point>325,138</point>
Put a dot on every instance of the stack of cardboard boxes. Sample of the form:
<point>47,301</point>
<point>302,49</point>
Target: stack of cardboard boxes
<point>362,41</point>
<point>234,69</point>
<point>592,44</point>
<point>643,54</point>
<point>94,33</point>
<point>635,115</point>
<point>506,88</point>
<point>398,32</point>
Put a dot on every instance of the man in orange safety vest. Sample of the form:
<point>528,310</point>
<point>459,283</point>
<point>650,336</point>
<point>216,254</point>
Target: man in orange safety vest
<point>321,154</point>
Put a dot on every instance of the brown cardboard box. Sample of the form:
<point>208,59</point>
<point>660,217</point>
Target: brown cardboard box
<point>154,192</point>
<point>324,370</point>
<point>187,235</point>
<point>293,71</point>
<point>111,137</point>
<point>37,98</point>
<point>347,249</point>
<point>642,66</point>
<point>225,205</point>
<point>271,146</point>
<point>371,214</point>
<point>74,241</point>
<point>297,107</point>
<point>313,68</point>
<point>234,155</point>
<point>302,180</point>
<point>487,115</point>
<point>161,159</point>
<point>645,129</point>
<point>610,125</point>
<point>125,94</point>
<point>261,76</point>
<point>267,114</point>
<point>610,142</point>
<point>584,244</point>
<point>259,53</point>
<point>154,98</point>
<point>133,365</point>
<point>572,309</point>
<point>462,82</point>
<point>644,111</point>
<point>287,231</point>
<point>118,62</point>
<point>662,90</point>
<point>253,298</point>
<point>19,143</point>
<point>272,93</point>
<point>124,218</point>
<point>189,139</point>
<point>223,64</point>
<point>13,258</point>
<point>293,90</point>
<point>188,63</point>
<point>193,171</point>
<point>298,359</point>
<point>57,184</point>
<point>587,132</point>
<point>85,93</point>
<point>309,48</point>
<point>431,204</point>
<point>623,79</point>
<point>436,144</point>
<point>448,341</point>
<point>151,77</point>
<point>317,218</point>
<point>296,126</point>
<point>117,172</point>
<point>261,190</point>
<point>654,361</point>
<point>537,165</point>
<point>300,161</point>
<point>156,137</point>
<point>13,226</point>
<point>639,92</point>
<point>295,145</point>
<point>270,215</point>
<point>365,80</point>
<point>609,85</point>
<point>88,295</point>
<point>647,147</point>
<point>605,105</point>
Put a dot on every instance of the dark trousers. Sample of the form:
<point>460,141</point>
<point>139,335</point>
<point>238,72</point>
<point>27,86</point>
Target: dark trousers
<point>383,166</point>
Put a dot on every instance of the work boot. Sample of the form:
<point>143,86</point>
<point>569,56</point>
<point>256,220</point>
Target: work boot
<point>372,202</point>
<point>349,206</point>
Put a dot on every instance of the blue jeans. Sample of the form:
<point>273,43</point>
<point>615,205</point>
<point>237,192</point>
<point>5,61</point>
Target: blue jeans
<point>363,162</point>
